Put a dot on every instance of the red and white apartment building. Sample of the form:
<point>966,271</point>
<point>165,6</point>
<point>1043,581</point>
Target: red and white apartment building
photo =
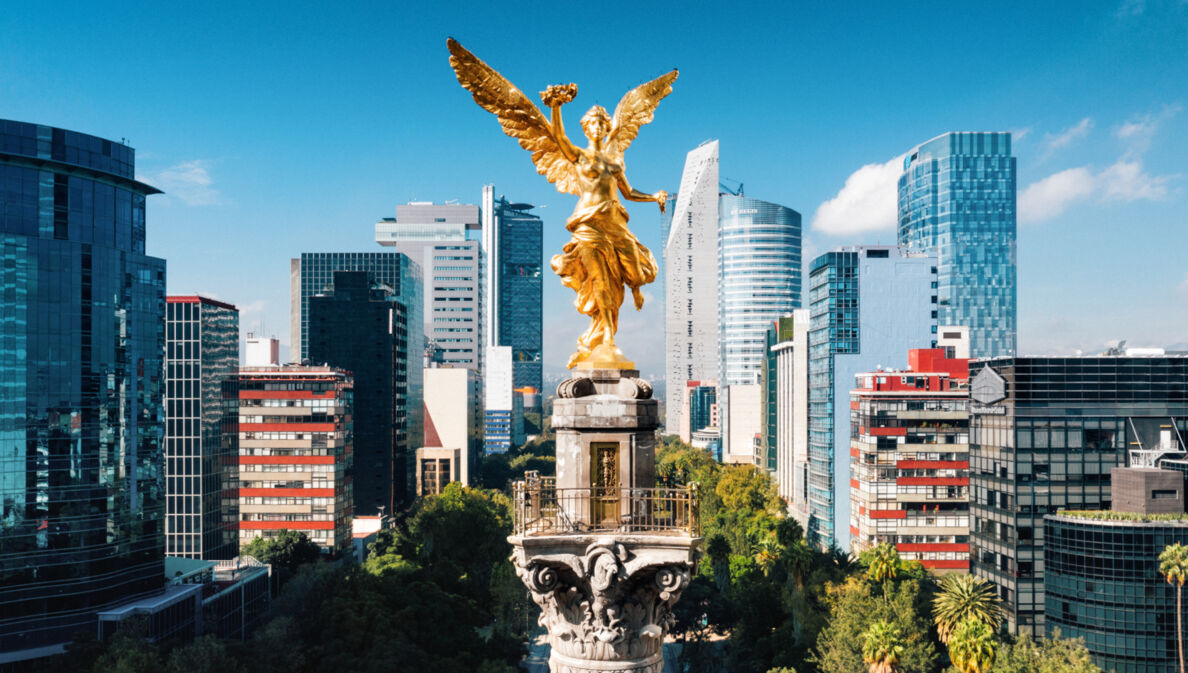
<point>295,454</point>
<point>909,460</point>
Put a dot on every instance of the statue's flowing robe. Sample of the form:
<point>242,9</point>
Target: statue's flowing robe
<point>600,259</point>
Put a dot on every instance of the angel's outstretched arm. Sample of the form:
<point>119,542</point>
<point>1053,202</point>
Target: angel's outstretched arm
<point>563,144</point>
<point>632,194</point>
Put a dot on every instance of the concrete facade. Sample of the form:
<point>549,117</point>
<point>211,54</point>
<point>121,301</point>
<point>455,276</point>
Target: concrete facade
<point>453,415</point>
<point>691,285</point>
<point>792,417</point>
<point>445,241</point>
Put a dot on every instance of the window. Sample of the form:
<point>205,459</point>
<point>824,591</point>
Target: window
<point>878,254</point>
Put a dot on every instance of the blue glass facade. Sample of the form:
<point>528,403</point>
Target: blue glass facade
<point>521,249</point>
<point>82,342</point>
<point>867,307</point>
<point>957,201</point>
<point>759,279</point>
<point>1102,584</point>
<point>701,402</point>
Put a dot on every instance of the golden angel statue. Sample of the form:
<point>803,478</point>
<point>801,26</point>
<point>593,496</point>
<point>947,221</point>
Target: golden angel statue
<point>603,256</point>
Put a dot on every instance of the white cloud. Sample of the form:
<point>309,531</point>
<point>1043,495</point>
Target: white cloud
<point>1051,196</point>
<point>189,181</point>
<point>1124,180</point>
<point>1019,134</point>
<point>1140,130</point>
<point>1068,136</point>
<point>867,202</point>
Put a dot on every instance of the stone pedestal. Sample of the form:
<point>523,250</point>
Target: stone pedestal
<point>602,550</point>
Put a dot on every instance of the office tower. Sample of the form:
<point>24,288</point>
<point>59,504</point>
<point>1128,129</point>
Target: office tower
<point>454,417</point>
<point>1044,435</point>
<point>1102,579</point>
<point>313,273</point>
<point>868,306</point>
<point>778,331</point>
<point>699,407</point>
<point>792,427</point>
<point>261,351</point>
<point>759,277</point>
<point>691,281</point>
<point>361,326</point>
<point>957,202</point>
<point>503,424</point>
<point>81,348</point>
<point>295,454</point>
<point>445,241</point>
<point>909,461</point>
<point>513,245</point>
<point>201,427</point>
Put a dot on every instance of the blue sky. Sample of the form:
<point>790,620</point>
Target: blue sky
<point>278,128</point>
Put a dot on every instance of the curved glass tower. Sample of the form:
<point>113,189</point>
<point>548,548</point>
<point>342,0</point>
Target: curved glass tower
<point>759,276</point>
<point>82,340</point>
<point>957,201</point>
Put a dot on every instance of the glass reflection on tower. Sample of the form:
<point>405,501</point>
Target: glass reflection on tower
<point>81,348</point>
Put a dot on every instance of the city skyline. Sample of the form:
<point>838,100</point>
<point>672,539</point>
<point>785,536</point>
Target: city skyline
<point>282,154</point>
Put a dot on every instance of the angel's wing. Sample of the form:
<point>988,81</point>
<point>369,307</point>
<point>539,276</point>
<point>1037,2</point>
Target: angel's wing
<point>520,118</point>
<point>637,107</point>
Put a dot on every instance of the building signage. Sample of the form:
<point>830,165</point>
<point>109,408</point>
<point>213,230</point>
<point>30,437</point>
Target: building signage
<point>983,409</point>
<point>987,387</point>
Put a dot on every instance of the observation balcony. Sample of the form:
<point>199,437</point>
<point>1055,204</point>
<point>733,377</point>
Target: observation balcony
<point>542,509</point>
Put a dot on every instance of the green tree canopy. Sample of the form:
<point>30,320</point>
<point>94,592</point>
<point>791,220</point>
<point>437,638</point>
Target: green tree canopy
<point>288,551</point>
<point>854,606</point>
<point>1048,655</point>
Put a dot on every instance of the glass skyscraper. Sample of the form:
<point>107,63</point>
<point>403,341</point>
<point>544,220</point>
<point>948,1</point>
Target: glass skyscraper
<point>313,273</point>
<point>759,280</point>
<point>1044,434</point>
<point>363,327</point>
<point>202,428</point>
<point>957,202</point>
<point>514,245</point>
<point>868,307</point>
<point>82,341</point>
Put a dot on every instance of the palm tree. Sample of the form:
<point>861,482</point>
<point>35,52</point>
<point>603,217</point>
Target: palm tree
<point>884,567</point>
<point>882,648</point>
<point>768,552</point>
<point>1173,564</point>
<point>964,596</point>
<point>971,647</point>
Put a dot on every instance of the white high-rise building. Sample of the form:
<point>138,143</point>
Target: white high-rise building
<point>792,417</point>
<point>445,241</point>
<point>691,281</point>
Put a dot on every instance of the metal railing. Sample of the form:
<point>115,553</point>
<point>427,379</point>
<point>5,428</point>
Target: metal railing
<point>540,508</point>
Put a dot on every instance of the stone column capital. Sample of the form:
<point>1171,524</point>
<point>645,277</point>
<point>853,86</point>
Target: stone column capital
<point>606,602</point>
